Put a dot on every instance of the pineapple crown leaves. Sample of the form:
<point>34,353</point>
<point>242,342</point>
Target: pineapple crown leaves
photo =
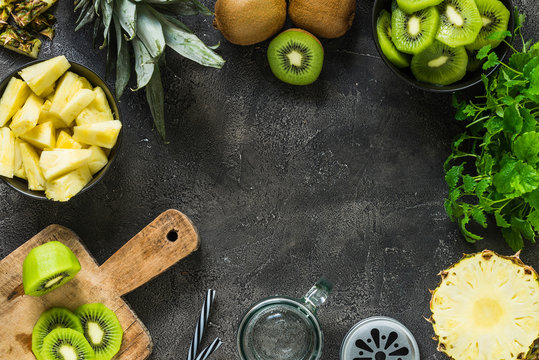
<point>149,26</point>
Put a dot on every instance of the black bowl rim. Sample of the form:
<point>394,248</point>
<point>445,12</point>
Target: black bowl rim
<point>438,88</point>
<point>40,195</point>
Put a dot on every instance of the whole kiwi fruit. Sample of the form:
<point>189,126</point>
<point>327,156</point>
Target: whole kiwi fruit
<point>247,22</point>
<point>324,18</point>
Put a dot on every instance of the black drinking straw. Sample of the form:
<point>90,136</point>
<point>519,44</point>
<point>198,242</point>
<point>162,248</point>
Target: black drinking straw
<point>201,326</point>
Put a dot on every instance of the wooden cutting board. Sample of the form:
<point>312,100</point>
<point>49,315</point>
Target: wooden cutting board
<point>161,244</point>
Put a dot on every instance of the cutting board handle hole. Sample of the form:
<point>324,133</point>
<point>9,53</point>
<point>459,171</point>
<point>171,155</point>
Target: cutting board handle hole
<point>172,235</point>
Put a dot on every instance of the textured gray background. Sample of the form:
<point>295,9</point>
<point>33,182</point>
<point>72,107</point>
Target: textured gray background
<point>285,184</point>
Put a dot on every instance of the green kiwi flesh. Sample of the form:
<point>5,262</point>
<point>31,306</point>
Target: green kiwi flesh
<point>411,6</point>
<point>383,31</point>
<point>460,22</point>
<point>440,64</point>
<point>54,318</point>
<point>413,33</point>
<point>102,330</point>
<point>66,344</point>
<point>296,57</point>
<point>494,18</point>
<point>48,267</point>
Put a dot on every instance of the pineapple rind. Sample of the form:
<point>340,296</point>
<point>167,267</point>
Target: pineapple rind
<point>7,152</point>
<point>26,119</point>
<point>27,10</point>
<point>102,134</point>
<point>13,99</point>
<point>42,136</point>
<point>69,185</point>
<point>44,74</point>
<point>486,308</point>
<point>76,104</point>
<point>30,160</point>
<point>20,41</point>
<point>58,162</point>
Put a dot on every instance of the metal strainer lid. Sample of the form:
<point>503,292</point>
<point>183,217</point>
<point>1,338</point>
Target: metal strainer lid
<point>379,338</point>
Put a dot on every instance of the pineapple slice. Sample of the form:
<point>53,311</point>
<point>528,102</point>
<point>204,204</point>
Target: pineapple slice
<point>7,152</point>
<point>486,308</point>
<point>69,185</point>
<point>30,160</point>
<point>75,105</point>
<point>85,83</point>
<point>103,134</point>
<point>26,118</point>
<point>46,115</point>
<point>27,10</point>
<point>13,99</point>
<point>98,159</point>
<point>97,111</point>
<point>19,166</point>
<point>44,74</point>
<point>58,162</point>
<point>65,141</point>
<point>67,86</point>
<point>42,136</point>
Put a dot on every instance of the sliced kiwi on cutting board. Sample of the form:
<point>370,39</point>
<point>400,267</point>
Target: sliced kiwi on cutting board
<point>384,33</point>
<point>460,22</point>
<point>48,267</point>
<point>296,57</point>
<point>411,6</point>
<point>413,33</point>
<point>494,18</point>
<point>440,64</point>
<point>102,329</point>
<point>52,319</point>
<point>66,344</point>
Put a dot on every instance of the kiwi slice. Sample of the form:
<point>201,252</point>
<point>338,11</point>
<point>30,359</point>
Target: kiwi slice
<point>66,344</point>
<point>50,320</point>
<point>102,329</point>
<point>460,22</point>
<point>413,33</point>
<point>383,31</point>
<point>494,18</point>
<point>296,57</point>
<point>411,6</point>
<point>48,267</point>
<point>440,64</point>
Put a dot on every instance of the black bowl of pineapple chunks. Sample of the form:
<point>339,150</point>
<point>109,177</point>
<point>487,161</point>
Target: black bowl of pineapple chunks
<point>59,129</point>
<point>433,44</point>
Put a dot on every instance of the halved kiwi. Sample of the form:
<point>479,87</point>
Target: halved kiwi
<point>411,6</point>
<point>383,31</point>
<point>440,64</point>
<point>296,57</point>
<point>48,267</point>
<point>66,344</point>
<point>413,33</point>
<point>494,18</point>
<point>54,318</point>
<point>102,330</point>
<point>460,22</point>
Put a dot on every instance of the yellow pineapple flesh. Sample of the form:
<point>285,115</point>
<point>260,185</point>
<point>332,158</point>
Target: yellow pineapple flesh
<point>42,136</point>
<point>97,111</point>
<point>26,119</point>
<point>13,99</point>
<point>67,86</point>
<point>46,115</point>
<point>103,134</point>
<point>7,152</point>
<point>19,166</point>
<point>65,141</point>
<point>30,160</point>
<point>41,76</point>
<point>58,162</point>
<point>69,185</point>
<point>98,159</point>
<point>76,104</point>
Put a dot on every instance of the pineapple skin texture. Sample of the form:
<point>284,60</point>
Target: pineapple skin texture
<point>69,185</point>
<point>484,322</point>
<point>7,153</point>
<point>30,160</point>
<point>41,76</point>
<point>13,99</point>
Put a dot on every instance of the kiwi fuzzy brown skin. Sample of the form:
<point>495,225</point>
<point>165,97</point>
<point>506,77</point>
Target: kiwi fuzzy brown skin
<point>247,22</point>
<point>324,18</point>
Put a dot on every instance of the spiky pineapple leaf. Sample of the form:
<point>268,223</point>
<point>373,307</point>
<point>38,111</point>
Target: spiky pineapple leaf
<point>87,15</point>
<point>181,7</point>
<point>106,10</point>
<point>144,63</point>
<point>155,97</point>
<point>123,60</point>
<point>150,31</point>
<point>126,11</point>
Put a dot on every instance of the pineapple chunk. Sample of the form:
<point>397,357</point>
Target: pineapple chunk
<point>13,99</point>
<point>49,91</point>
<point>19,166</point>
<point>26,119</point>
<point>65,141</point>
<point>98,159</point>
<point>30,160</point>
<point>69,185</point>
<point>97,111</point>
<point>104,134</point>
<point>75,105</point>
<point>85,83</point>
<point>7,152</point>
<point>68,85</point>
<point>58,162</point>
<point>46,115</point>
<point>44,74</point>
<point>42,136</point>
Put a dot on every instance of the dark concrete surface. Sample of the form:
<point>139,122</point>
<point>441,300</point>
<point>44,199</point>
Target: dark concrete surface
<point>285,184</point>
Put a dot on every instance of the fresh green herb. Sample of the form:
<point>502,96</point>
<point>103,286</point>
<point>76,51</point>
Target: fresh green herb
<point>149,26</point>
<point>494,165</point>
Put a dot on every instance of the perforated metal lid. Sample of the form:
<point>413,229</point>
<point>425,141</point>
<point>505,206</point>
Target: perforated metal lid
<point>379,338</point>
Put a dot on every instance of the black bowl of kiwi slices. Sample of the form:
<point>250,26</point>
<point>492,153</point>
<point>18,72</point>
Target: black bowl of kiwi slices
<point>432,44</point>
